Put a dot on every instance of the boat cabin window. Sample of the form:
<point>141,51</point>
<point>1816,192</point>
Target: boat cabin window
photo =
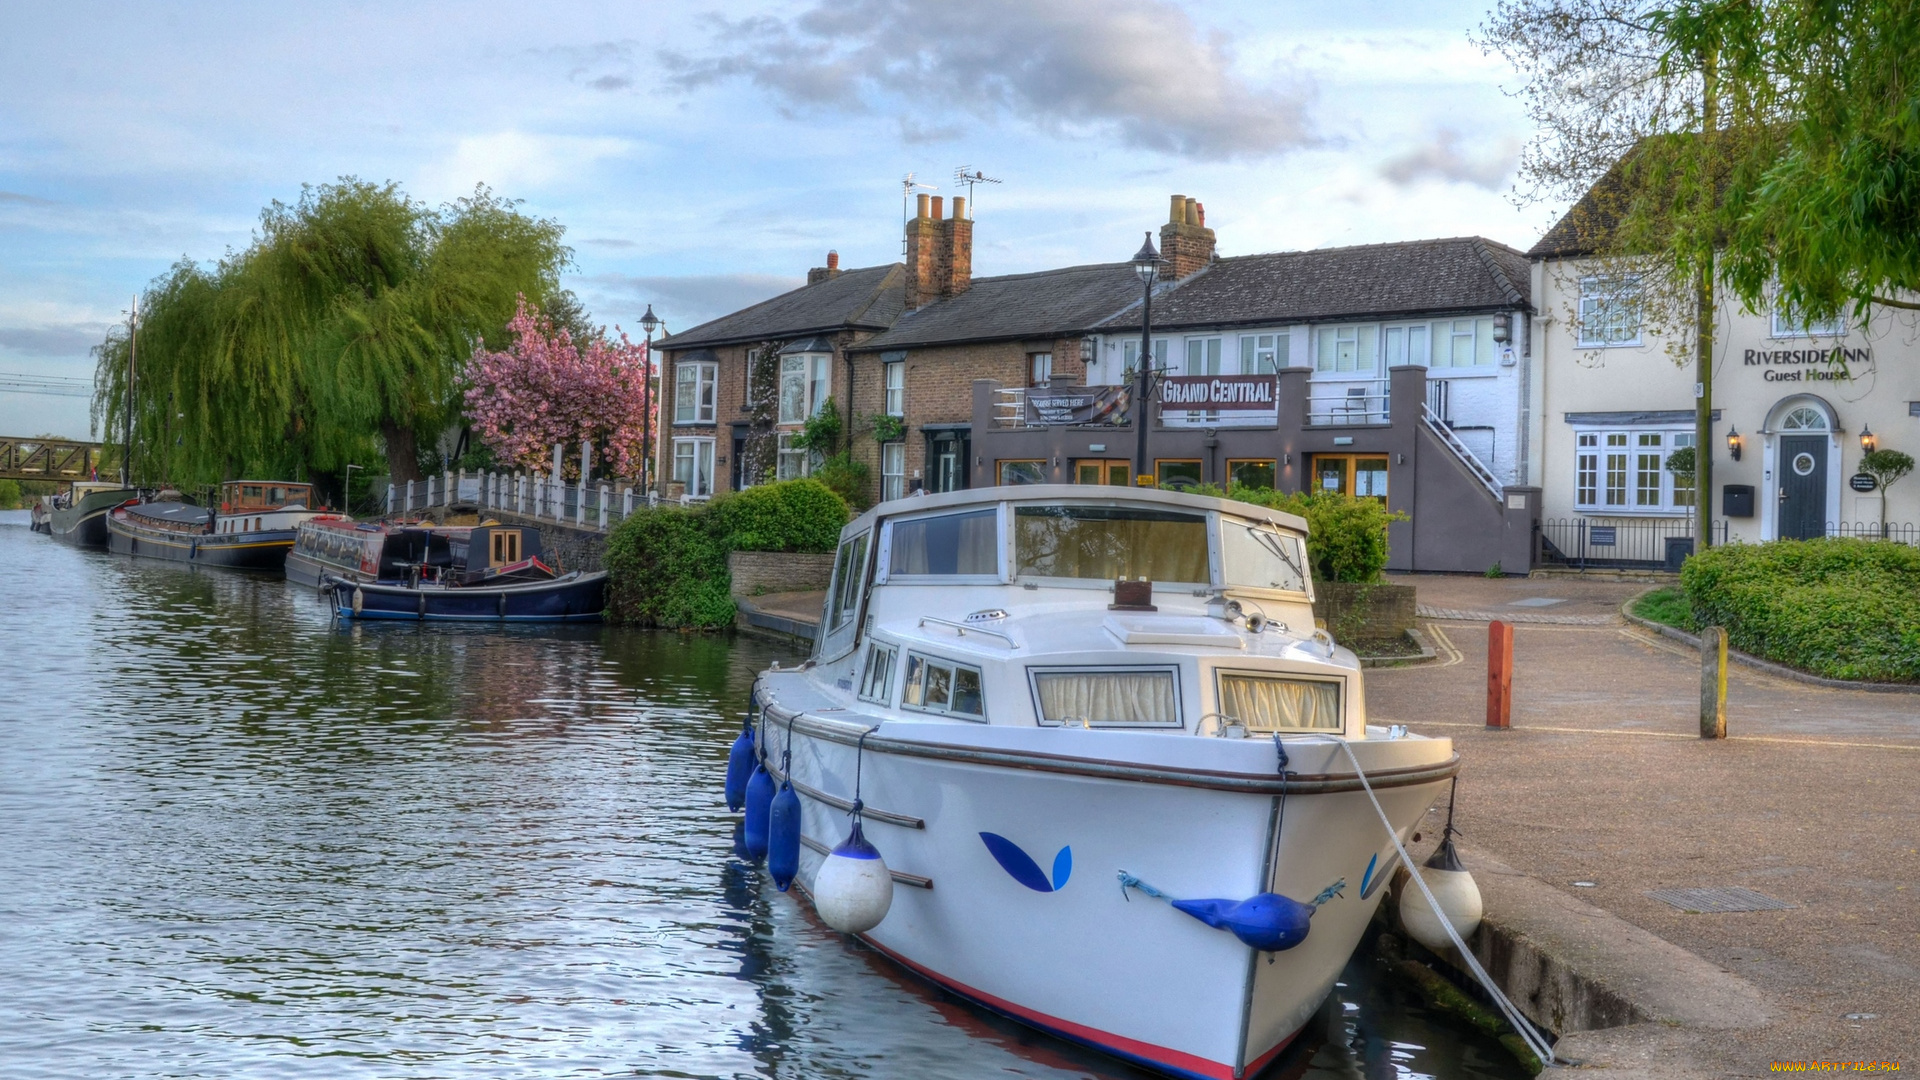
<point>1257,556</point>
<point>849,575</point>
<point>942,686</point>
<point>1107,543</point>
<point>1115,697</point>
<point>947,545</point>
<point>1264,703</point>
<point>877,683</point>
<point>506,547</point>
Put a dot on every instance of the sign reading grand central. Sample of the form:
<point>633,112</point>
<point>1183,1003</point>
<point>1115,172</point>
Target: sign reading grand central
<point>1810,365</point>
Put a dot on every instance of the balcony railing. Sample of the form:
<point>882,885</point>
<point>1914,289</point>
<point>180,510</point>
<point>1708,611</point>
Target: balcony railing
<point>1335,404</point>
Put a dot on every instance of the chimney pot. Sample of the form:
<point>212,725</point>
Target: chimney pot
<point>937,201</point>
<point>833,260</point>
<point>959,207</point>
<point>923,205</point>
<point>1177,210</point>
<point>1193,211</point>
<point>1201,209</point>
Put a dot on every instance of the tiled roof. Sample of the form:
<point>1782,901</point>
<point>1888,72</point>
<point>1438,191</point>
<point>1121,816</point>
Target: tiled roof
<point>868,298</point>
<point>1409,278</point>
<point>1045,304</point>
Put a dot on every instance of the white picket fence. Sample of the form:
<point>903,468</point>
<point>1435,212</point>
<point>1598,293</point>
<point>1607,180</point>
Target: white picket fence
<point>593,506</point>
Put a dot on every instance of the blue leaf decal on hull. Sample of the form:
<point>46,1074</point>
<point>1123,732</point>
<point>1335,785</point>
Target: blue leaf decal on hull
<point>1021,867</point>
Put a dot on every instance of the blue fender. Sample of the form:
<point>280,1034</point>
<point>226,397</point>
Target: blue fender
<point>1268,922</point>
<point>783,837</point>
<point>759,801</point>
<point>740,762</point>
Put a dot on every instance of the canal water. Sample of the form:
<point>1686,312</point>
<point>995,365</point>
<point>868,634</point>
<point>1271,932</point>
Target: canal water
<point>237,840</point>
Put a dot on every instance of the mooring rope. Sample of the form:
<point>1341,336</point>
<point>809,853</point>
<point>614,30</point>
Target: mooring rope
<point>1528,1033</point>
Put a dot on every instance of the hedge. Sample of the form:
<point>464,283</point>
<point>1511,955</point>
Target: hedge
<point>1842,608</point>
<point>667,567</point>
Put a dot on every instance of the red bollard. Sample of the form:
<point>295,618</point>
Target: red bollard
<point>1499,674</point>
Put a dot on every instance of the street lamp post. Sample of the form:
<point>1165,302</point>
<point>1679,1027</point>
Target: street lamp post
<point>1146,263</point>
<point>648,322</point>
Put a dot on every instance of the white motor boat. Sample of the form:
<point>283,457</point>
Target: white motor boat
<point>1124,791</point>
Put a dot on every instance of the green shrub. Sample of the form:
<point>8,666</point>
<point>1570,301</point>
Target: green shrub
<point>792,515</point>
<point>666,567</point>
<point>1843,608</point>
<point>9,494</point>
<point>1346,536</point>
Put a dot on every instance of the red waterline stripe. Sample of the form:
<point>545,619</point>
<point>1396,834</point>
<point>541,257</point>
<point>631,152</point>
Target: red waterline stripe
<point>1159,1056</point>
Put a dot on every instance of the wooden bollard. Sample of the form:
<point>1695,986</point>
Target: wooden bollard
<point>1499,674</point>
<point>1713,683</point>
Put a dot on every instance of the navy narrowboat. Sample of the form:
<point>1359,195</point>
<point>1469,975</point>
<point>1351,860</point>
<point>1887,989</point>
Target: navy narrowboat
<point>491,573</point>
<point>364,551</point>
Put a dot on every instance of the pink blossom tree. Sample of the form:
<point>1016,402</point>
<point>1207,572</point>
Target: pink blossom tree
<point>546,388</point>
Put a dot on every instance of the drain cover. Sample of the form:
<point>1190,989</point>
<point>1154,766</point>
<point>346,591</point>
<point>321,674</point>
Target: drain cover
<point>1536,601</point>
<point>1715,900</point>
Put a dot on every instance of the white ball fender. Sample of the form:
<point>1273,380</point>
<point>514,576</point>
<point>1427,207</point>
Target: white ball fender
<point>853,888</point>
<point>1453,888</point>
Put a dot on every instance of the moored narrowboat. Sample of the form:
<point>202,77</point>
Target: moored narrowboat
<point>488,572</point>
<point>252,530</point>
<point>364,550</point>
<point>78,515</point>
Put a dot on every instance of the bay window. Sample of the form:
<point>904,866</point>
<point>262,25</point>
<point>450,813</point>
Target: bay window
<point>693,392</point>
<point>803,385</point>
<point>693,466</point>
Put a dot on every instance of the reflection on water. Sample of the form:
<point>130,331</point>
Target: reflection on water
<point>241,841</point>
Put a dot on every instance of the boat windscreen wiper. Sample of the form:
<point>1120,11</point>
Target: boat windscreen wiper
<point>1272,543</point>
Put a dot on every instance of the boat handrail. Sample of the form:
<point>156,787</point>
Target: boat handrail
<point>963,629</point>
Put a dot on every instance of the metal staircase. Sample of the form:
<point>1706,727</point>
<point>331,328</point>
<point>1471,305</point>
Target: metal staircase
<point>1452,442</point>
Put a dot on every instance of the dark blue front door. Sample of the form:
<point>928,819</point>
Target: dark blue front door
<point>1803,486</point>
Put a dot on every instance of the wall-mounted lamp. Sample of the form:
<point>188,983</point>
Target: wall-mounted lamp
<point>1733,443</point>
<point>1503,327</point>
<point>1867,439</point>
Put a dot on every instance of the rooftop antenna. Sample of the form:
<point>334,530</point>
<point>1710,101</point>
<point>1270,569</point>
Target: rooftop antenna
<point>907,187</point>
<point>962,176</point>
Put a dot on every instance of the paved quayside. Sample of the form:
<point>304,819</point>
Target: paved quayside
<point>1603,779</point>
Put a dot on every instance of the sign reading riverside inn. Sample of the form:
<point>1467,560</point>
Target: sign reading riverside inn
<point>1220,393</point>
<point>1833,363</point>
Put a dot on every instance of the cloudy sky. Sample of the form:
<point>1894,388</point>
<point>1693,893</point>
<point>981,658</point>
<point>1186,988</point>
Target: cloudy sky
<point>702,156</point>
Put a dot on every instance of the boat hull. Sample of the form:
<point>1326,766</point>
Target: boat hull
<point>264,551</point>
<point>85,525</point>
<point>574,598</point>
<point>1069,950</point>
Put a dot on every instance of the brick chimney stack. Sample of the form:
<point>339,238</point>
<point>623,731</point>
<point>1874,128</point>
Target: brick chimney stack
<point>923,238</point>
<point>1186,244</point>
<point>939,252</point>
<point>822,273</point>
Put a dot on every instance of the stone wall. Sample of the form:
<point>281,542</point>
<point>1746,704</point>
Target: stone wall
<point>757,572</point>
<point>1355,612</point>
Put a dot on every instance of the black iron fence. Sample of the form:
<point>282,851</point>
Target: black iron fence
<point>1622,543</point>
<point>1897,531</point>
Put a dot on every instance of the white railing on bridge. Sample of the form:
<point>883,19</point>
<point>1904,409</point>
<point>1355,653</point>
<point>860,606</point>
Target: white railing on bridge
<point>599,506</point>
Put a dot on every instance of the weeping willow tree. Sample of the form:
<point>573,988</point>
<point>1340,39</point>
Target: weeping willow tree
<point>338,336</point>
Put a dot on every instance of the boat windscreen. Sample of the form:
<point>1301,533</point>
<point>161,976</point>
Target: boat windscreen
<point>1108,543</point>
<point>951,544</point>
<point>1260,557</point>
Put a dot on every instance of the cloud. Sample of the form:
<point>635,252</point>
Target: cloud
<point>1136,69</point>
<point>683,301</point>
<point>515,162</point>
<point>1444,158</point>
<point>25,200</point>
<point>68,339</point>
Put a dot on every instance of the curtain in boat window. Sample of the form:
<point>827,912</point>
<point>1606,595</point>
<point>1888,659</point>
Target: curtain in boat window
<point>952,544</point>
<point>1105,544</point>
<point>1107,697</point>
<point>1269,704</point>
